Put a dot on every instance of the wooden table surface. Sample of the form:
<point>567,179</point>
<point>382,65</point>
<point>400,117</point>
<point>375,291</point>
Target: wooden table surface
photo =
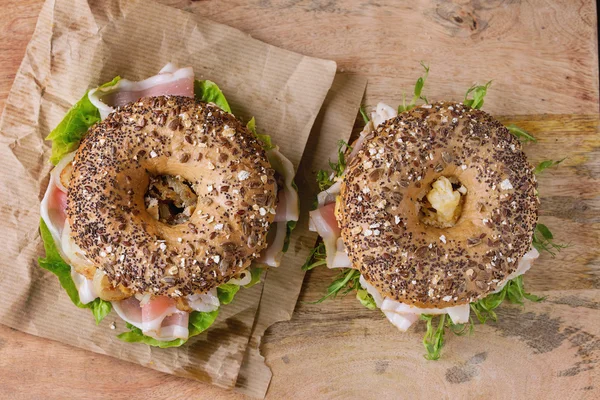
<point>543,59</point>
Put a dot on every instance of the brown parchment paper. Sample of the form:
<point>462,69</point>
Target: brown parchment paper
<point>334,122</point>
<point>81,44</point>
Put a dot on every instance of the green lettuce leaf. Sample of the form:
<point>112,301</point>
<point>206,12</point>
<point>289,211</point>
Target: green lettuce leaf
<point>366,299</point>
<point>255,273</point>
<point>208,92</point>
<point>55,264</point>
<point>226,292</point>
<point>199,322</point>
<point>66,136</point>
<point>266,141</point>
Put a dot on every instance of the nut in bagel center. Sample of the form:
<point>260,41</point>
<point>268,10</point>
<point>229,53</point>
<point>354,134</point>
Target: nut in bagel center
<point>441,205</point>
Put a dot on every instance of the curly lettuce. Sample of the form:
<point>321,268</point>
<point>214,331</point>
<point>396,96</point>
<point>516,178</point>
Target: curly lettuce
<point>73,127</point>
<point>54,263</point>
<point>208,92</point>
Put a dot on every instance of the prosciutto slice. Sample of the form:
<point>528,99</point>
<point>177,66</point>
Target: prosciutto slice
<point>170,80</point>
<point>84,286</point>
<point>158,318</point>
<point>205,302</point>
<point>273,254</point>
<point>54,203</point>
<point>288,209</point>
<point>341,259</point>
<point>403,316</point>
<point>288,206</point>
<point>324,222</point>
<point>382,113</point>
<point>329,195</point>
<point>367,130</point>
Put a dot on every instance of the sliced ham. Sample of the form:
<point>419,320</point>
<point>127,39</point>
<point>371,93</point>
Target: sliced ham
<point>367,130</point>
<point>73,254</point>
<point>273,254</point>
<point>244,278</point>
<point>288,206</point>
<point>54,203</point>
<point>129,310</point>
<point>403,316</point>
<point>382,113</point>
<point>401,321</point>
<point>175,326</point>
<point>205,302</point>
<point>341,259</point>
<point>525,264</point>
<point>324,221</point>
<point>329,195</point>
<point>158,318</point>
<point>84,286</point>
<point>170,80</point>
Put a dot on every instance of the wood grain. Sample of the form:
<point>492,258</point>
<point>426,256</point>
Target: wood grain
<point>543,58</point>
<point>545,350</point>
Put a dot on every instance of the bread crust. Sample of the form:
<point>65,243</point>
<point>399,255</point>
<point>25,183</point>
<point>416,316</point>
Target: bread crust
<point>418,264</point>
<point>226,167</point>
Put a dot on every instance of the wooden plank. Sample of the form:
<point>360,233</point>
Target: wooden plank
<point>545,350</point>
<point>542,55</point>
<point>543,58</point>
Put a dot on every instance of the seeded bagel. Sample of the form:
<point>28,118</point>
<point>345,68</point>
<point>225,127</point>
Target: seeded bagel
<point>383,206</point>
<point>197,142</point>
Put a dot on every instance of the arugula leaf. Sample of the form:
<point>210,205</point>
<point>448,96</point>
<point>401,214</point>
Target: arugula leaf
<point>290,226</point>
<point>543,240</point>
<point>521,134</point>
<point>339,167</point>
<point>484,309</point>
<point>55,264</point>
<point>434,337</point>
<point>208,92</point>
<point>316,257</point>
<point>416,93</point>
<point>226,292</point>
<point>479,93</point>
<point>433,341</point>
<point>73,127</point>
<point>324,179</point>
<point>198,323</point>
<point>364,114</point>
<point>345,282</point>
<point>541,167</point>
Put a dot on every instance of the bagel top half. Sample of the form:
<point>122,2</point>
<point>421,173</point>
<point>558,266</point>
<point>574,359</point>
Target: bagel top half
<point>225,166</point>
<point>385,217</point>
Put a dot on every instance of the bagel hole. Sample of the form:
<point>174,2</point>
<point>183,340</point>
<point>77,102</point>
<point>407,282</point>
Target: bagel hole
<point>170,199</point>
<point>448,195</point>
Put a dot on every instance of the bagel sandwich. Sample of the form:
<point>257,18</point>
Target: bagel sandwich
<point>162,205</point>
<point>431,214</point>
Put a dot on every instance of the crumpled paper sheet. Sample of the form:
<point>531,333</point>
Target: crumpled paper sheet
<point>334,122</point>
<point>81,44</point>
